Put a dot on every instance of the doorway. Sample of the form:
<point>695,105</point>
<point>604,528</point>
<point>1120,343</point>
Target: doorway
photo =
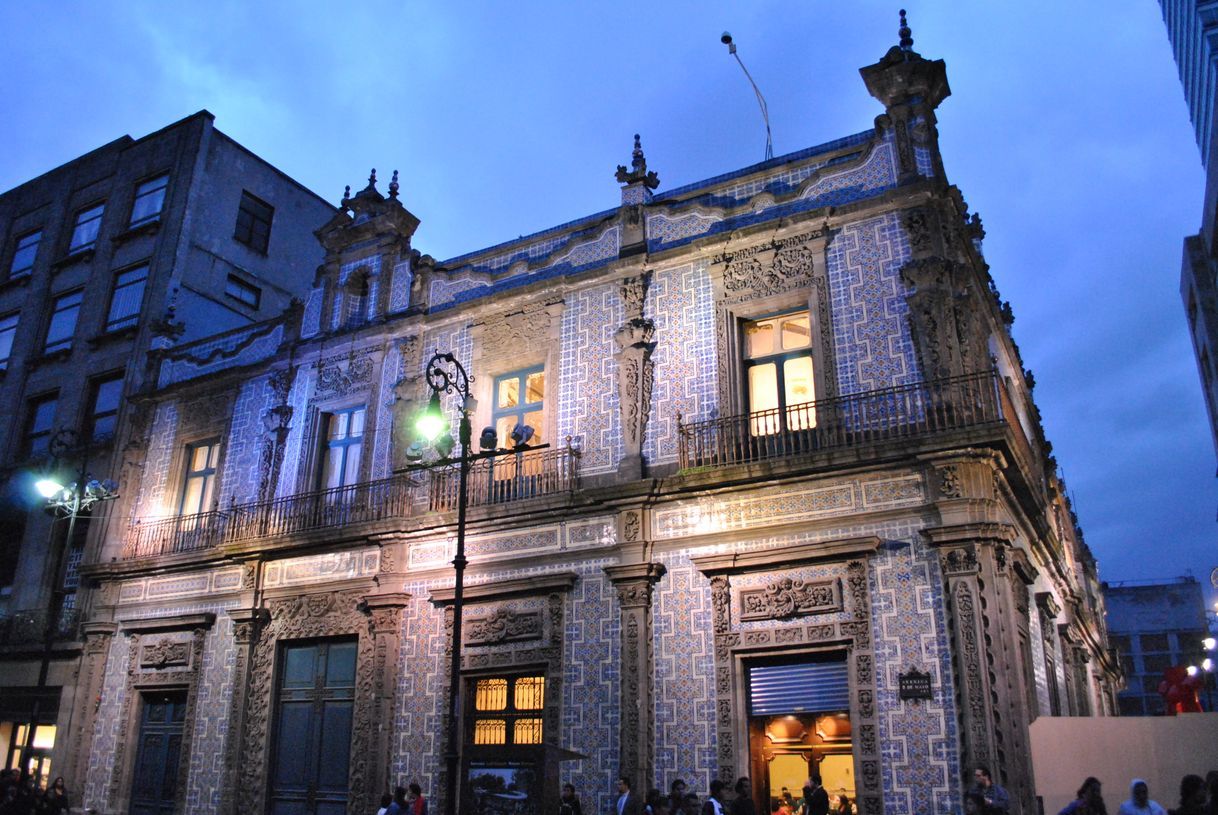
<point>158,756</point>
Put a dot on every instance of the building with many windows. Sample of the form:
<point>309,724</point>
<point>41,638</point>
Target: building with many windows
<point>1155,625</point>
<point>175,236</point>
<point>785,507</point>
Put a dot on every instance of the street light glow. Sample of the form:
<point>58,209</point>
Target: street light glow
<point>1209,643</point>
<point>1207,664</point>
<point>48,488</point>
<point>1192,670</point>
<point>431,422</point>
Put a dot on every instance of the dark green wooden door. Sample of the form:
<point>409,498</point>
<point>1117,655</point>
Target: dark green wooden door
<point>313,728</point>
<point>158,754</point>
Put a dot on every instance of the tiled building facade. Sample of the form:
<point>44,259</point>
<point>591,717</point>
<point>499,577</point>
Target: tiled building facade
<point>796,513</point>
<point>174,236</point>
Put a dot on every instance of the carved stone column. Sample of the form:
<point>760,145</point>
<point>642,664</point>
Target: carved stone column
<point>246,625</point>
<point>635,341</point>
<point>277,421</point>
<point>92,676</point>
<point>386,613</point>
<point>405,397</point>
<point>634,587</point>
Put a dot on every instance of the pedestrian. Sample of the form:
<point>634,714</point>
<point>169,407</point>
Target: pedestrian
<point>1192,796</point>
<point>628,802</point>
<point>398,805</point>
<point>1089,800</point>
<point>714,803</point>
<point>1211,787</point>
<point>568,802</point>
<point>57,798</point>
<point>816,799</point>
<point>1139,802</point>
<point>676,798</point>
<point>743,803</point>
<point>386,800</point>
<point>997,802</point>
<point>417,803</point>
<point>844,807</point>
<point>787,801</point>
<point>655,802</point>
<point>974,804</point>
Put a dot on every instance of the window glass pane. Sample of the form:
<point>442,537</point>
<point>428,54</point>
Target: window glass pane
<point>244,292</point>
<point>763,387</point>
<point>199,457</point>
<point>490,731</point>
<point>254,222</point>
<point>351,470</point>
<point>530,693</point>
<point>535,387</point>
<point>797,380</point>
<point>758,339</point>
<point>340,664</point>
<point>63,322</point>
<point>127,299</point>
<point>8,330</point>
<point>88,222</point>
<point>533,420</point>
<point>490,694</point>
<point>357,423</point>
<point>796,332</point>
<point>509,392</point>
<point>25,254</point>
<point>332,468</point>
<point>504,426</point>
<point>106,396</point>
<point>1154,642</point>
<point>527,731</point>
<point>299,666</point>
<point>192,497</point>
<point>338,425</point>
<point>149,198</point>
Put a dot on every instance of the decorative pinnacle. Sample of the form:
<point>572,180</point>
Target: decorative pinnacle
<point>905,34</point>
<point>372,178</point>
<point>393,185</point>
<point>637,161</point>
<point>638,171</point>
<point>346,192</point>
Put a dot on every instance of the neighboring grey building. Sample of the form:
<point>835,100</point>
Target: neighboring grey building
<point>1192,28</point>
<point>1154,625</point>
<point>141,243</point>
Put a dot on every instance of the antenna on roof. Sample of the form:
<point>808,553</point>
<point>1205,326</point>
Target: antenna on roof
<point>726,39</point>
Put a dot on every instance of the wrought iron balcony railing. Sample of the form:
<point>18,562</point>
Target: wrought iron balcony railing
<point>491,481</point>
<point>891,414</point>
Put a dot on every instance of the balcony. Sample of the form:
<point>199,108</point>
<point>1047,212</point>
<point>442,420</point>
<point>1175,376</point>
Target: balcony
<point>508,478</point>
<point>898,414</point>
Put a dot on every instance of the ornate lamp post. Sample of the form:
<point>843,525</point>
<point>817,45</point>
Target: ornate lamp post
<point>446,375</point>
<point>70,501</point>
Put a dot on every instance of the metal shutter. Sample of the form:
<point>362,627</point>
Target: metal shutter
<point>803,687</point>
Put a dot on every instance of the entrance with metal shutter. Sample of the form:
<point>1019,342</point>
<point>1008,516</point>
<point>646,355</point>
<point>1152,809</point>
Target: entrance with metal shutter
<point>799,724</point>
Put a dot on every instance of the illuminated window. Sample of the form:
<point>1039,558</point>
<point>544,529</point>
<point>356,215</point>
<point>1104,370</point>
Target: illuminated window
<point>778,370</point>
<point>341,447</point>
<point>519,399</point>
<point>149,199</point>
<point>84,232</point>
<point>507,710</point>
<point>200,484</point>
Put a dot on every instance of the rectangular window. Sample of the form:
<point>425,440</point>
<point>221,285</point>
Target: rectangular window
<point>149,199</point>
<point>778,368</point>
<point>25,253</point>
<point>88,223</point>
<point>254,222</point>
<point>519,400</point>
<point>127,299</point>
<point>39,422</point>
<point>8,330</point>
<point>200,484</point>
<point>103,417</point>
<point>245,293</point>
<point>63,322</point>
<point>342,445</point>
<point>508,710</point>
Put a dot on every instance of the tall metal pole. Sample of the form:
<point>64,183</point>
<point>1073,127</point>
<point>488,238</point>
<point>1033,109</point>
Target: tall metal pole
<point>726,39</point>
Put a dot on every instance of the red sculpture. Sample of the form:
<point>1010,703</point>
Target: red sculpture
<point>1179,691</point>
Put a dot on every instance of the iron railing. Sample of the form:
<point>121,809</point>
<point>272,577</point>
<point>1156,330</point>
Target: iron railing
<point>491,481</point>
<point>890,414</point>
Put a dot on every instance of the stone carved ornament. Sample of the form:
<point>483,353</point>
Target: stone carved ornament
<point>772,268</point>
<point>527,330</point>
<point>790,597</point>
<point>504,625</point>
<point>944,318</point>
<point>335,379</point>
<point>165,653</point>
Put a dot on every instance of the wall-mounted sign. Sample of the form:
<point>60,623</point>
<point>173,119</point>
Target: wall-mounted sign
<point>914,685</point>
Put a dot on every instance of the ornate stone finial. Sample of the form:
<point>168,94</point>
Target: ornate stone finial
<point>372,178</point>
<point>638,172</point>
<point>346,192</point>
<point>906,35</point>
<point>393,185</point>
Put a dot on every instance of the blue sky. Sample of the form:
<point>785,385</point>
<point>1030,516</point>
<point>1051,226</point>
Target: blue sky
<point>1067,130</point>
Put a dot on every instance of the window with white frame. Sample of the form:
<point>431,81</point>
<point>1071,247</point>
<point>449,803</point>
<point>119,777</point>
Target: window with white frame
<point>342,446</point>
<point>25,253</point>
<point>62,327</point>
<point>198,488</point>
<point>127,298</point>
<point>149,200</point>
<point>84,232</point>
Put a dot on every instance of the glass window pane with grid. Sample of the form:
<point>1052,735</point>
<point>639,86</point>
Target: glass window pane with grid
<point>149,199</point>
<point>199,486</point>
<point>40,421</point>
<point>779,373</point>
<point>103,419</point>
<point>243,292</point>
<point>62,327</point>
<point>25,253</point>
<point>254,218</point>
<point>519,399</point>
<point>342,445</point>
<point>508,710</point>
<point>84,233</point>
<point>127,299</point>
<point>8,330</point>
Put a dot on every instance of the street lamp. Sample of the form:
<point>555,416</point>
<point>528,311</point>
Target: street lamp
<point>65,501</point>
<point>446,375</point>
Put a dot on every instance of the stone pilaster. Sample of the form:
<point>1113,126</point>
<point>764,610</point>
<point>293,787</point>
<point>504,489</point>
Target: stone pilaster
<point>386,626</point>
<point>246,625</point>
<point>91,678</point>
<point>634,584</point>
<point>635,340</point>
